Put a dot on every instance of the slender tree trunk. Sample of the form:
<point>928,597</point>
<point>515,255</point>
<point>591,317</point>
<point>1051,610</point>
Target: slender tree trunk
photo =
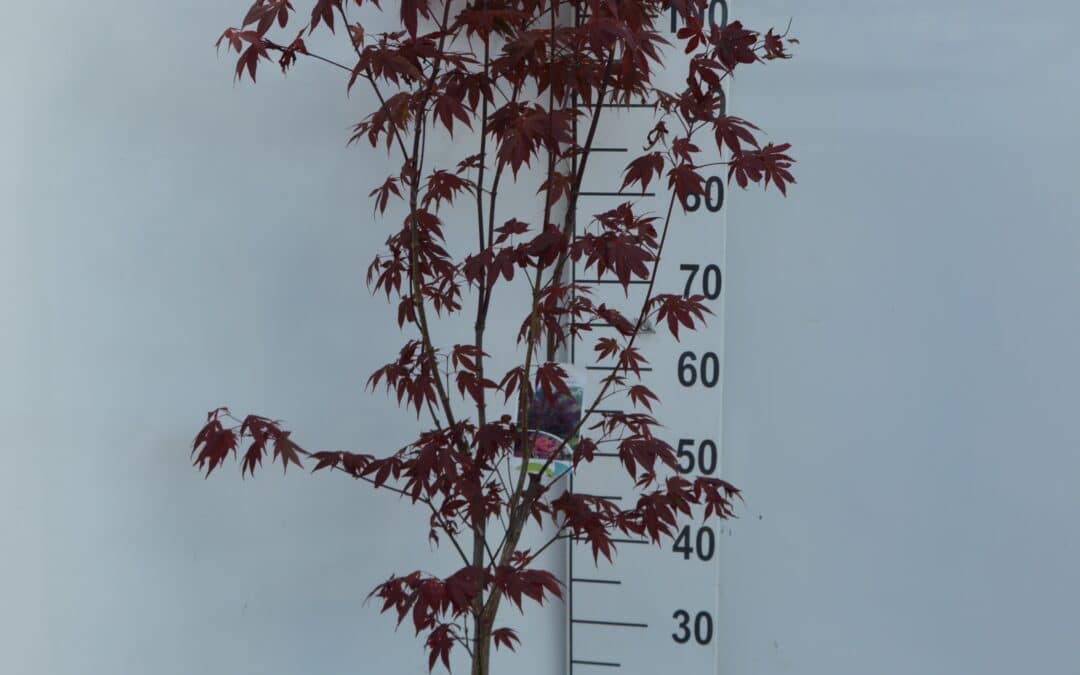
<point>483,627</point>
<point>482,648</point>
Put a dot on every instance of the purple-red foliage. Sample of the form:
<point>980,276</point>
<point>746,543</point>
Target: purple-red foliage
<point>519,82</point>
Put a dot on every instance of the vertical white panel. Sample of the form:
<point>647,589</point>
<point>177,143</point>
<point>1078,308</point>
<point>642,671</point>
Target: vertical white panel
<point>655,609</point>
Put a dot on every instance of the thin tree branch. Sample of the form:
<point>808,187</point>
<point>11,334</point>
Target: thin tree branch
<point>423,500</point>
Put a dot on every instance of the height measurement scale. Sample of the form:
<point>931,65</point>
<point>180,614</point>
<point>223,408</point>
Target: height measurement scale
<point>654,609</point>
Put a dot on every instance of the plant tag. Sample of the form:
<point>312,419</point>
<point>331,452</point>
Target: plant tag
<point>553,427</point>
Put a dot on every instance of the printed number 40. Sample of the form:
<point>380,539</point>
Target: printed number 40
<point>703,545</point>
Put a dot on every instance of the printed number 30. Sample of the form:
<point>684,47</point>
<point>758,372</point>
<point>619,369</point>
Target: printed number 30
<point>702,630</point>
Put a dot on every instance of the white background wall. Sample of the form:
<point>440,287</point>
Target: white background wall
<point>902,356</point>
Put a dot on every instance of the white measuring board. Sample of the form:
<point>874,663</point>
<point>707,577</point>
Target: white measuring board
<point>655,609</point>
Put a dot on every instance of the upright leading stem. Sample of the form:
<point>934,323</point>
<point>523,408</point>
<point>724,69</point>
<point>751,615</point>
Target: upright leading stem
<point>481,657</point>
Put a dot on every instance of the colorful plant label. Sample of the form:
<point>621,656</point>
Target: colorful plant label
<point>553,427</point>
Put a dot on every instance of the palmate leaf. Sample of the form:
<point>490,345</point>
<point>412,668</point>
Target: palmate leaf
<point>439,643</point>
<point>383,192</point>
<point>448,107</point>
<point>678,310</point>
<point>642,395</point>
<point>734,132</point>
<point>323,12</point>
<point>685,181</point>
<point>412,11</point>
<point>505,637</point>
<point>216,443</point>
<point>771,164</point>
<point>643,170</point>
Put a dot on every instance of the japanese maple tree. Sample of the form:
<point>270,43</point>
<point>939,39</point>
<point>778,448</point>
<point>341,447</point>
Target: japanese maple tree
<point>520,83</point>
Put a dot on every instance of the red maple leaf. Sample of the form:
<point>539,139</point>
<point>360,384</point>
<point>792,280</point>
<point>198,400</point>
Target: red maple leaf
<point>643,170</point>
<point>383,192</point>
<point>505,637</point>
<point>217,442</point>
<point>770,164</point>
<point>734,132</point>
